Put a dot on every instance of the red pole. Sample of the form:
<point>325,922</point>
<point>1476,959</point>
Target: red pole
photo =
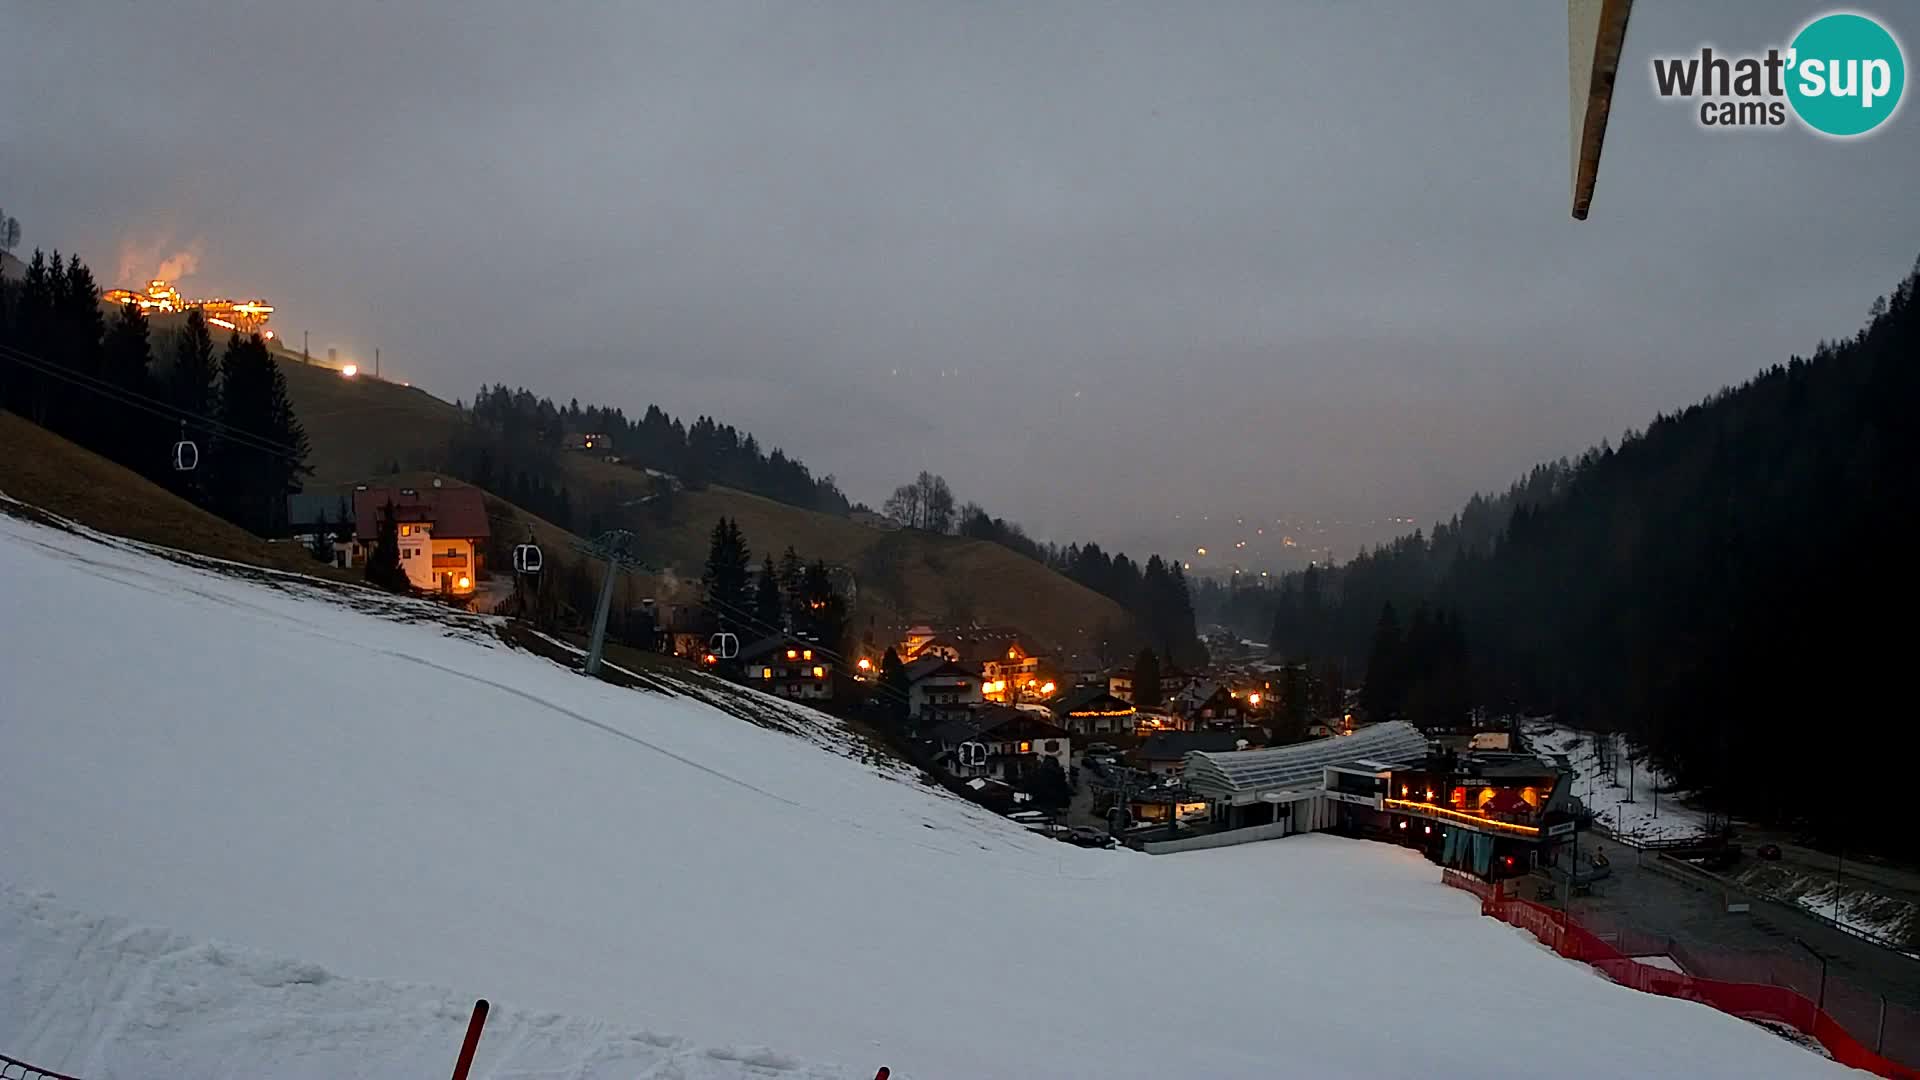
<point>472,1044</point>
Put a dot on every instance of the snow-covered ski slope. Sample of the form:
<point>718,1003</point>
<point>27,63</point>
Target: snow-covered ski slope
<point>379,818</point>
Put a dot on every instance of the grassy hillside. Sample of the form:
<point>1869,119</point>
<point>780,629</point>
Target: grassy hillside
<point>41,468</point>
<point>360,427</point>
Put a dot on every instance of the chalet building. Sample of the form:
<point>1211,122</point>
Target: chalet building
<point>999,743</point>
<point>1120,684</point>
<point>687,631</point>
<point>939,690</point>
<point>1092,710</point>
<point>788,667</point>
<point>1216,705</point>
<point>443,533</point>
<point>1018,673</point>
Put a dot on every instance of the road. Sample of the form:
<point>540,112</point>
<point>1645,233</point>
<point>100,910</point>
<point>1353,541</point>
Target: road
<point>1650,901</point>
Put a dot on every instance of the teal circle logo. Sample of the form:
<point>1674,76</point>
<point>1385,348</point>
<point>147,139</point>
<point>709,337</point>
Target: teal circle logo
<point>1845,74</point>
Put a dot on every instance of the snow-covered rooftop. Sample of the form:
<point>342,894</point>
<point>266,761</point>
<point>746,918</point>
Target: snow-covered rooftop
<point>1301,766</point>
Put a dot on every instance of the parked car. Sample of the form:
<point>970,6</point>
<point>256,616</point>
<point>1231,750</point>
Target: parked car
<point>1769,852</point>
<point>1101,748</point>
<point>1089,837</point>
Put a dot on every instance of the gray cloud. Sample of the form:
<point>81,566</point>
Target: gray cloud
<point>1170,258</point>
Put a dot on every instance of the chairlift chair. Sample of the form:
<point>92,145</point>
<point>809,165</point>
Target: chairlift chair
<point>186,456</point>
<point>526,559</point>
<point>724,645</point>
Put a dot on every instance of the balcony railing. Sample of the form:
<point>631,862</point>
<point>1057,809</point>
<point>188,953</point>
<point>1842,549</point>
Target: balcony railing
<point>1461,817</point>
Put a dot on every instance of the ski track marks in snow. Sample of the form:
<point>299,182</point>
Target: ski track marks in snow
<point>103,997</point>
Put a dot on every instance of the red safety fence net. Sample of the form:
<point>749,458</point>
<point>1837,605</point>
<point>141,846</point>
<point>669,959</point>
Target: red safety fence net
<point>1750,999</point>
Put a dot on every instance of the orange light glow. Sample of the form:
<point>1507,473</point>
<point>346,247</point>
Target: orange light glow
<point>350,370</point>
<point>793,654</point>
<point>819,672</point>
<point>464,583</point>
<point>866,664</point>
<point>1046,688</point>
<point>1253,699</point>
<point>1464,818</point>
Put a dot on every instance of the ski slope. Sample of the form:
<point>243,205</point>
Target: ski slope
<point>261,828</point>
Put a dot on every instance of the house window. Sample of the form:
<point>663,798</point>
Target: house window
<point>1053,746</point>
<point>406,530</point>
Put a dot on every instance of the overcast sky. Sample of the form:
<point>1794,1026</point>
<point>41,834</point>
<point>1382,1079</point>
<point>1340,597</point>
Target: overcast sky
<point>1097,263</point>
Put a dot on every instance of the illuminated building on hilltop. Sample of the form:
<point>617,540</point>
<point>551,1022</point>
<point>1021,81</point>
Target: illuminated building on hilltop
<point>245,316</point>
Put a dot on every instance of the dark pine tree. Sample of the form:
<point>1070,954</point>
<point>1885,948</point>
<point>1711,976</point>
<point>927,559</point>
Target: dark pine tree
<point>192,387</point>
<point>769,605</point>
<point>894,687</point>
<point>132,434</point>
<point>727,574</point>
<point>1146,679</point>
<point>1384,688</point>
<point>383,565</point>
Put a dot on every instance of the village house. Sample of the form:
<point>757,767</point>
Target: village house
<point>1020,673</point>
<point>939,690</point>
<point>788,667</point>
<point>1216,705</point>
<point>1091,710</point>
<point>442,533</point>
<point>1120,684</point>
<point>999,743</point>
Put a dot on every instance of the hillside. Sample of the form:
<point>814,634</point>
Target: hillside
<point>41,468</point>
<point>257,831</point>
<point>360,427</point>
<point>1708,586</point>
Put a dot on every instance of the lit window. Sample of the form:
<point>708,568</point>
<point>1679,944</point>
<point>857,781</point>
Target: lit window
<point>1026,747</point>
<point>806,654</point>
<point>819,672</point>
<point>406,530</point>
<point>793,654</point>
<point>766,673</point>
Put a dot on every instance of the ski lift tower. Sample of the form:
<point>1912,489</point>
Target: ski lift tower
<point>616,547</point>
<point>1596,33</point>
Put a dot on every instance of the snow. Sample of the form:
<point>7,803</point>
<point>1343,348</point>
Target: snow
<point>1664,963</point>
<point>1605,792</point>
<point>268,828</point>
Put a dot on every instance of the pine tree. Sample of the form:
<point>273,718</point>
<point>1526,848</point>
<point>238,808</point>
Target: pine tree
<point>792,570</point>
<point>383,566</point>
<point>192,387</point>
<point>260,467</point>
<point>894,685</point>
<point>1146,679</point>
<point>131,434</point>
<point>769,606</point>
<point>727,573</point>
<point>1384,687</point>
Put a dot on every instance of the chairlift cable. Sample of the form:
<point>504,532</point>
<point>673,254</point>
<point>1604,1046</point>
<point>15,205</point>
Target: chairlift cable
<point>128,396</point>
<point>146,403</point>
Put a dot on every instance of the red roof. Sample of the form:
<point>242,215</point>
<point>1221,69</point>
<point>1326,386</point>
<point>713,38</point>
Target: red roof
<point>457,513</point>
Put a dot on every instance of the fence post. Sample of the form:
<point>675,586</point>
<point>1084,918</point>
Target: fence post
<point>1880,1028</point>
<point>467,1048</point>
